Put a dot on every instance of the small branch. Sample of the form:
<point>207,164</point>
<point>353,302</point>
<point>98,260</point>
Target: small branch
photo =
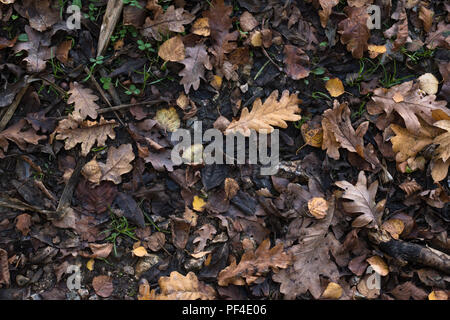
<point>12,108</point>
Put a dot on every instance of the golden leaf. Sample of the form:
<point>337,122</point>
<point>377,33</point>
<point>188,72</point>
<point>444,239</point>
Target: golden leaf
<point>378,265</point>
<point>375,50</point>
<point>438,295</point>
<point>201,27</point>
<point>140,251</point>
<point>198,204</point>
<point>265,116</point>
<point>318,207</point>
<point>333,291</point>
<point>168,119</point>
<point>335,87</point>
<point>179,287</point>
<point>90,264</point>
<point>312,133</point>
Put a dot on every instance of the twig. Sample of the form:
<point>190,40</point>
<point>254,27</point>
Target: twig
<point>12,108</point>
<point>270,59</point>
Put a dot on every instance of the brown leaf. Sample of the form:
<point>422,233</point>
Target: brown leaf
<point>265,116</point>
<point>247,21</point>
<point>23,223</point>
<point>16,134</point>
<point>156,241</point>
<point>296,61</point>
<point>311,258</point>
<point>231,187</point>
<point>362,201</point>
<point>354,31</point>
<point>96,198</point>
<point>426,15</point>
<point>87,133</point>
<point>439,38</point>
<point>318,207</point>
<point>172,49</point>
<point>205,233</point>
<point>118,163</point>
<point>62,51</point>
<point>196,61</point>
<point>399,29</point>
<point>164,22</point>
<point>103,286</point>
<point>408,290</point>
<point>180,232</point>
<point>339,133</point>
<point>324,14</point>
<point>220,23</point>
<point>179,287</point>
<point>201,27</point>
<point>40,13</point>
<point>4,268</point>
<point>255,264</point>
<point>99,250</point>
<point>6,43</point>
<point>411,105</point>
<point>410,187</point>
<point>378,265</point>
<point>84,102</point>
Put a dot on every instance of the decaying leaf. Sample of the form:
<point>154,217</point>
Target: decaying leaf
<point>16,134</point>
<point>333,291</point>
<point>354,31</point>
<point>172,49</point>
<point>87,133</point>
<point>265,116</point>
<point>168,119</point>
<point>117,164</point>
<point>179,287</point>
<point>84,102</point>
<point>394,226</point>
<point>296,61</point>
<point>4,268</point>
<point>318,207</point>
<point>255,264</point>
<point>23,223</point>
<point>442,153</point>
<point>40,13</point>
<point>103,286</point>
<point>324,14</point>
<point>201,27</point>
<point>362,201</point>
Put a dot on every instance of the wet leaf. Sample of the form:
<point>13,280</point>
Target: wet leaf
<point>103,286</point>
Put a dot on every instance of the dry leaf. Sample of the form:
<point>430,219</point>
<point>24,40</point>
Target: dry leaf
<point>354,31</point>
<point>23,223</point>
<point>201,27</point>
<point>231,187</point>
<point>265,116</point>
<point>196,61</point>
<point>87,133</point>
<point>179,287</point>
<point>168,119</point>
<point>255,264</point>
<point>40,13</point>
<point>247,21</point>
<point>335,87</point>
<point>399,29</point>
<point>318,207</point>
<point>378,265</point>
<point>205,232</point>
<point>117,164</point>
<point>312,133</point>
<point>438,295</point>
<point>4,268</point>
<point>172,49</point>
<point>362,201</point>
<point>16,134</point>
<point>84,102</point>
<point>412,104</point>
<point>410,187</point>
<point>428,83</point>
<point>441,159</point>
<point>324,14</point>
<point>164,22</point>
<point>90,264</point>
<point>103,286</point>
<point>333,291</point>
<point>296,61</point>
<point>394,227</point>
<point>198,204</point>
<point>140,251</point>
<point>375,51</point>
<point>426,15</point>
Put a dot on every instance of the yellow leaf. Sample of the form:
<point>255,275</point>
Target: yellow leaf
<point>168,119</point>
<point>140,252</point>
<point>90,264</point>
<point>438,295</point>
<point>333,291</point>
<point>335,87</point>
<point>318,207</point>
<point>198,204</point>
<point>378,265</point>
<point>172,49</point>
<point>375,50</point>
<point>395,227</point>
<point>312,133</point>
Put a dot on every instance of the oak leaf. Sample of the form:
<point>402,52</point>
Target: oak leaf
<point>265,116</point>
<point>40,13</point>
<point>311,259</point>
<point>441,159</point>
<point>87,133</point>
<point>324,14</point>
<point>408,101</point>
<point>16,134</point>
<point>400,28</point>
<point>354,31</point>
<point>362,201</point>
<point>179,287</point>
<point>255,264</point>
<point>164,22</point>
<point>117,163</point>
<point>84,102</point>
<point>196,61</point>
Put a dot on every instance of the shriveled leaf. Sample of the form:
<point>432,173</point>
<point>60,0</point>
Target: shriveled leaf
<point>16,134</point>
<point>265,116</point>
<point>255,264</point>
<point>296,61</point>
<point>196,61</point>
<point>354,31</point>
<point>318,207</point>
<point>179,287</point>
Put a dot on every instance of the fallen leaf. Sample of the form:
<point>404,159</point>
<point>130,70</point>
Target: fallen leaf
<point>90,264</point>
<point>172,50</point>
<point>324,14</point>
<point>378,265</point>
<point>408,290</point>
<point>426,15</point>
<point>312,133</point>
<point>201,27</point>
<point>87,133</point>
<point>332,291</point>
<point>335,87</point>
<point>117,164</point>
<point>296,61</point>
<point>84,102</point>
<point>362,201</point>
<point>265,116</point>
<point>179,287</point>
<point>140,251</point>
<point>205,233</point>
<point>255,264</point>
<point>168,119</point>
<point>20,137</point>
<point>394,227</point>
<point>156,241</point>
<point>4,268</point>
<point>354,31</point>
<point>23,223</point>
<point>231,187</point>
<point>318,207</point>
<point>247,21</point>
<point>103,286</point>
<point>196,61</point>
<point>40,13</point>
<point>375,51</point>
<point>438,295</point>
<point>198,204</point>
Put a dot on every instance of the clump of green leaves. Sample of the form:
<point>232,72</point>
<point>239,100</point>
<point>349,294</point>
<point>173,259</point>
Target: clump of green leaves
<point>119,227</point>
